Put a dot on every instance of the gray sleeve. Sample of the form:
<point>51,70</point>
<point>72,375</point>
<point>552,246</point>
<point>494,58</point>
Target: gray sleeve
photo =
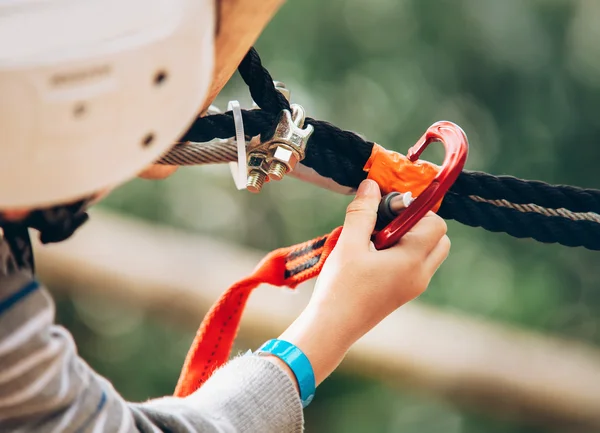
<point>46,387</point>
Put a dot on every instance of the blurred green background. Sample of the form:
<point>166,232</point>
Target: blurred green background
<point>522,78</point>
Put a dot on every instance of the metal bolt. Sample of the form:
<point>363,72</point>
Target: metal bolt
<point>391,206</point>
<point>257,174</point>
<point>399,201</point>
<point>256,180</point>
<point>277,170</point>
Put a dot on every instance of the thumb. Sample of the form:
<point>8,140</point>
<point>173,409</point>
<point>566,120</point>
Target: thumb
<point>361,215</point>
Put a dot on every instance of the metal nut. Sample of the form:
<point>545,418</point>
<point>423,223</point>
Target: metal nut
<point>284,159</point>
<point>258,161</point>
<point>258,169</point>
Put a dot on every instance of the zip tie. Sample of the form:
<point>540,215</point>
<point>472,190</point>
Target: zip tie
<point>239,169</point>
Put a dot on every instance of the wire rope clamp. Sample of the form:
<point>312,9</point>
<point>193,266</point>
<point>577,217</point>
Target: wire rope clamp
<point>287,146</point>
<point>457,148</point>
<point>279,154</point>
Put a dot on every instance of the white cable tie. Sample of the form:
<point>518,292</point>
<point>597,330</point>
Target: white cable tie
<point>239,169</point>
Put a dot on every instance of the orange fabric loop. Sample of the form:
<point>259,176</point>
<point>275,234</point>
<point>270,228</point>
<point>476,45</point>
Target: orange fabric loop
<point>395,172</point>
<point>283,267</point>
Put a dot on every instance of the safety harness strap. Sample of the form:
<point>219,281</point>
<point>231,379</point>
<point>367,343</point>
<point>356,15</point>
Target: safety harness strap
<point>285,267</point>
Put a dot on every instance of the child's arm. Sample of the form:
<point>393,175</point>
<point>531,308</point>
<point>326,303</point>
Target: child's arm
<point>46,387</point>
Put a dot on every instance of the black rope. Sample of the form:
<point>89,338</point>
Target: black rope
<point>260,82</point>
<point>341,156</point>
<point>221,126</point>
<point>337,154</point>
<point>545,229</point>
<point>527,191</point>
<point>331,151</point>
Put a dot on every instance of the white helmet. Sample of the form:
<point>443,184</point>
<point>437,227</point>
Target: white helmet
<point>93,91</point>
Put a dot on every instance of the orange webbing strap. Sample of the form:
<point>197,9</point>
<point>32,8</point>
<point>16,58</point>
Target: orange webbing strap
<point>212,345</point>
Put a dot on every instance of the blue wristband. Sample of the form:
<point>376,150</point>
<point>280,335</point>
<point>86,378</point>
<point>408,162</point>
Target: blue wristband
<point>298,363</point>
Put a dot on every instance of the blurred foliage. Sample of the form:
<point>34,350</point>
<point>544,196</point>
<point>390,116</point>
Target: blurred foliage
<point>523,80</point>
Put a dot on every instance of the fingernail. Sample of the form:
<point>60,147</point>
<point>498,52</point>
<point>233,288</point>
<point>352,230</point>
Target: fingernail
<point>367,187</point>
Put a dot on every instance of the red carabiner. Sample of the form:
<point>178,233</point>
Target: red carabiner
<point>457,147</point>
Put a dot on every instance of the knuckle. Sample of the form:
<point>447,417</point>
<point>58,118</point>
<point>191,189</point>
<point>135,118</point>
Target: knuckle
<point>358,206</point>
<point>432,225</point>
<point>422,288</point>
<point>286,155</point>
<point>447,243</point>
<point>414,261</point>
<point>422,283</point>
<point>440,225</point>
<point>416,287</point>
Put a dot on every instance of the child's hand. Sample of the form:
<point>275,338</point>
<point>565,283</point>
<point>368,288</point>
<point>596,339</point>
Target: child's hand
<point>359,286</point>
<point>158,171</point>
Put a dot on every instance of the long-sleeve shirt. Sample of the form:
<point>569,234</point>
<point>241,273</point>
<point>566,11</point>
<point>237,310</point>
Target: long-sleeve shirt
<point>46,387</point>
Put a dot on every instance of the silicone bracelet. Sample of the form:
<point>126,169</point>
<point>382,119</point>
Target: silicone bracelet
<point>297,362</point>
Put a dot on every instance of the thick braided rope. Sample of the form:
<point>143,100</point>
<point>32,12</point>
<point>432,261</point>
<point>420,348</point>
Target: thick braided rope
<point>562,198</point>
<point>532,208</point>
<point>224,151</point>
<point>331,151</point>
<point>565,213</point>
<point>208,128</point>
<point>521,224</point>
<point>341,155</point>
<point>260,83</point>
<point>521,191</point>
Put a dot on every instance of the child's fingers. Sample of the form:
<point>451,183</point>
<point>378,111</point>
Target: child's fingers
<point>361,216</point>
<point>424,236</point>
<point>437,256</point>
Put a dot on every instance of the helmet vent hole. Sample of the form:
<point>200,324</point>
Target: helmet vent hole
<point>79,110</point>
<point>148,139</point>
<point>160,77</point>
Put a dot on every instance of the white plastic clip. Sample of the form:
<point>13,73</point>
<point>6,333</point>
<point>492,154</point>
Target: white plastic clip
<point>239,169</point>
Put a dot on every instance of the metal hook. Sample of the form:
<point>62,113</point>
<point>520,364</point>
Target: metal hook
<point>457,147</point>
